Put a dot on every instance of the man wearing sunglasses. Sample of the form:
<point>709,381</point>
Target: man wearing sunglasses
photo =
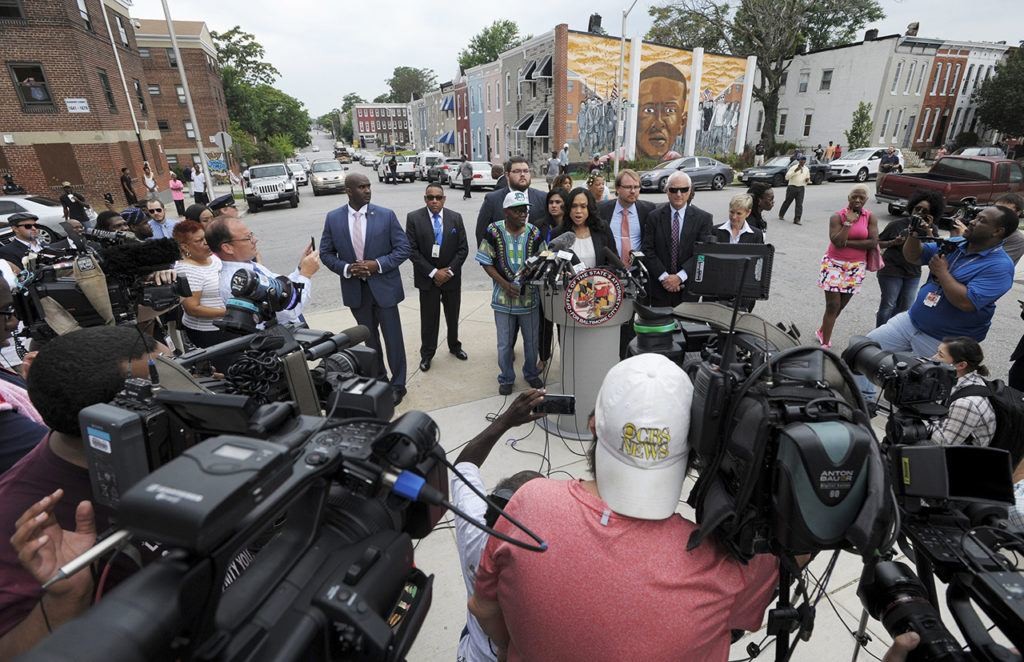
<point>669,236</point>
<point>162,226</point>
<point>26,238</point>
<point>439,246</point>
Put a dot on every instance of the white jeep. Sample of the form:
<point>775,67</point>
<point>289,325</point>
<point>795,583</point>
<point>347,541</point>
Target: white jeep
<point>269,184</point>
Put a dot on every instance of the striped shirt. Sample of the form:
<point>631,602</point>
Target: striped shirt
<point>205,279</point>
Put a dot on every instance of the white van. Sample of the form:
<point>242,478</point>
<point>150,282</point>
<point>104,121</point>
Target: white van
<point>426,159</point>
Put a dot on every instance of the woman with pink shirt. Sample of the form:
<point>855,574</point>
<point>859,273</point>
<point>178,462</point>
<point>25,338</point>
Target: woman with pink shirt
<point>852,232</point>
<point>177,194</point>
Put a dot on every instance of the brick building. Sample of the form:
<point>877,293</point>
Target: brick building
<point>378,124</point>
<point>163,83</point>
<point>64,110</point>
<point>940,98</point>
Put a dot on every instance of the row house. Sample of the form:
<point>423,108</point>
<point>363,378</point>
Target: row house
<point>377,124</point>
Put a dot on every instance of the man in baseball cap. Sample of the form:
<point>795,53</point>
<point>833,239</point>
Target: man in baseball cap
<point>622,533</point>
<point>503,251</point>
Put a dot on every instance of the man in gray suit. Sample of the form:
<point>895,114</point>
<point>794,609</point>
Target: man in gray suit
<point>364,244</point>
<point>491,211</point>
<point>439,248</point>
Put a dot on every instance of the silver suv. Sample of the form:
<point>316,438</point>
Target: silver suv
<point>269,184</point>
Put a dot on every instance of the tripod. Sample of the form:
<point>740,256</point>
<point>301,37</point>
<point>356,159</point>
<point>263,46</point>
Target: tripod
<point>785,618</point>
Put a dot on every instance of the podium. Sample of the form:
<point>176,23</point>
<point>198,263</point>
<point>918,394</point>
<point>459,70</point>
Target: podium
<point>590,312</point>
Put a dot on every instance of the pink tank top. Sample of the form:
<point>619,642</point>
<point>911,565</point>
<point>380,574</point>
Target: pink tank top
<point>859,230</point>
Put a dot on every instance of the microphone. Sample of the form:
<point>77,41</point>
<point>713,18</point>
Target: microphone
<point>140,258</point>
<point>339,341</point>
<point>614,259</point>
<point>562,242</point>
<point>118,237</point>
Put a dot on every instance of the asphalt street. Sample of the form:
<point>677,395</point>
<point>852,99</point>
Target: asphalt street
<point>795,297</point>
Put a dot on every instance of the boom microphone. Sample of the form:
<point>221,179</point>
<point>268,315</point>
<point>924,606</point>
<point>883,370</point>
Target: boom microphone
<point>140,259</point>
<point>339,341</point>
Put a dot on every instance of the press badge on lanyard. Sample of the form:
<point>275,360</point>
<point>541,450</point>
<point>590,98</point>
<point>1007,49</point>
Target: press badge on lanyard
<point>932,299</point>
<point>435,251</point>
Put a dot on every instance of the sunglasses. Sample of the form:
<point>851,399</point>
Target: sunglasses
<point>679,189</point>
<point>27,225</point>
<point>433,197</point>
<point>155,211</point>
<point>8,311</point>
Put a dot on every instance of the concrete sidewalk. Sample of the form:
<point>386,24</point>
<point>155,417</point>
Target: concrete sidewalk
<point>459,395</point>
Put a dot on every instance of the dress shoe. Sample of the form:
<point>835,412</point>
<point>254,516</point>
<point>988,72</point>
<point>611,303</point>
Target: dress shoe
<point>536,382</point>
<point>425,365</point>
<point>461,355</point>
<point>398,392</point>
<point>505,389</point>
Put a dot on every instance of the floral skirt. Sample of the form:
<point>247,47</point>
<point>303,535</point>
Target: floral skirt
<point>842,277</point>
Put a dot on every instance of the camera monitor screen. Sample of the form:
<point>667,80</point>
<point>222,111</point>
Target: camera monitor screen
<point>718,269</point>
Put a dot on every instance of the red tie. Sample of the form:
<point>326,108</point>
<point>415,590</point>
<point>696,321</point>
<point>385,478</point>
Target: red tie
<point>627,245</point>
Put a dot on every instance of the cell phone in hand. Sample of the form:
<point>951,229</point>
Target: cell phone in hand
<point>557,403</point>
<point>312,244</point>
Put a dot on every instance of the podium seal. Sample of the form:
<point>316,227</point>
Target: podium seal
<point>593,296</point>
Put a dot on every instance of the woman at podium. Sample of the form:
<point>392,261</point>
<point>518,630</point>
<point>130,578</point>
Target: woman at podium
<point>591,234</point>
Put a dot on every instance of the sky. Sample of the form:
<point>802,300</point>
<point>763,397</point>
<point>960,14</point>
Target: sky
<point>325,49</point>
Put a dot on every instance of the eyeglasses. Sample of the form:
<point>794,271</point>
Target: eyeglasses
<point>26,225</point>
<point>8,311</point>
<point>679,189</point>
<point>518,210</point>
<point>249,237</point>
<point>430,198</point>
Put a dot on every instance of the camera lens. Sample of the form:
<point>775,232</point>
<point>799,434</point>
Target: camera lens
<point>865,356</point>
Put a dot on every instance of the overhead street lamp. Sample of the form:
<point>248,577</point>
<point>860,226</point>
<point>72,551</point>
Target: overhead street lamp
<point>622,96</point>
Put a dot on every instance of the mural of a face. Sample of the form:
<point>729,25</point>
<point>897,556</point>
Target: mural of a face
<point>662,115</point>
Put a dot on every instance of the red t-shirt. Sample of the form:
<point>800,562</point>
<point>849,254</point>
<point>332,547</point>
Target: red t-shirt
<point>35,476</point>
<point>623,590</point>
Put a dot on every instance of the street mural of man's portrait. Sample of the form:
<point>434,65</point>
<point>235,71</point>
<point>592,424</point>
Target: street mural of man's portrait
<point>661,116</point>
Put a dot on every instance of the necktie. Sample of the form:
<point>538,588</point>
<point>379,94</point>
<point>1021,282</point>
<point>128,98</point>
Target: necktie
<point>675,241</point>
<point>627,244</point>
<point>437,229</point>
<point>357,235</point>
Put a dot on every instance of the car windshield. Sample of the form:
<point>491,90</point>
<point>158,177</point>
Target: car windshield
<point>433,160</point>
<point>296,167</point>
<point>860,154</point>
<point>326,166</point>
<point>675,163</point>
<point>259,172</point>
<point>46,202</point>
<point>777,161</point>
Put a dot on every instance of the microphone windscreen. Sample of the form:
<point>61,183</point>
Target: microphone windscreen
<point>562,242</point>
<point>140,259</point>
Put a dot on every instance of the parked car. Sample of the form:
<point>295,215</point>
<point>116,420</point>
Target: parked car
<point>327,175</point>
<point>316,148</point>
<point>861,164</point>
<point>990,150</point>
<point>49,211</point>
<point>703,171</point>
<point>481,176</point>
<point>424,161</point>
<point>369,160</point>
<point>443,172</point>
<point>342,155</point>
<point>406,168</point>
<point>299,172</point>
<point>774,170</point>
<point>983,178</point>
<point>270,184</point>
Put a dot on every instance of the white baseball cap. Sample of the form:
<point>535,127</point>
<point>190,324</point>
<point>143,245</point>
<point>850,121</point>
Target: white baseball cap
<point>642,419</point>
<point>516,199</point>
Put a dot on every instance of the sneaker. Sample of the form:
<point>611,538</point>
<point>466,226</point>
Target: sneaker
<point>536,382</point>
<point>504,389</point>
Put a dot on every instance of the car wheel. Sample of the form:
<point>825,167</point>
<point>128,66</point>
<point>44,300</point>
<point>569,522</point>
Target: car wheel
<point>663,184</point>
<point>862,175</point>
<point>718,183</point>
<point>254,209</point>
<point>818,178</point>
<point>316,193</point>
<point>778,180</point>
<point>294,202</point>
<point>894,210</point>
<point>46,235</point>
<point>379,178</point>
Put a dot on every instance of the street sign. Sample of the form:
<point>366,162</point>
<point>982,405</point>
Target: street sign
<point>217,164</point>
<point>223,139</point>
<point>77,105</point>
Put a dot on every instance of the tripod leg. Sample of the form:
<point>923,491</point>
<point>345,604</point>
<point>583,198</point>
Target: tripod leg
<point>858,637</point>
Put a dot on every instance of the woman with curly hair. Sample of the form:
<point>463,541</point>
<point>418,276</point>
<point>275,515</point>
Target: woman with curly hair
<point>899,279</point>
<point>852,232</point>
<point>764,199</point>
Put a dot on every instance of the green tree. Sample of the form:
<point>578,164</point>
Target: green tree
<point>772,30</point>
<point>330,121</point>
<point>350,100</point>
<point>240,51</point>
<point>405,83</point>
<point>861,128</point>
<point>244,145</point>
<point>998,98</point>
<point>279,147</point>
<point>489,43</point>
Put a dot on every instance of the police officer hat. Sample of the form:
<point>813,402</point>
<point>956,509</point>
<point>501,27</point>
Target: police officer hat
<point>220,202</point>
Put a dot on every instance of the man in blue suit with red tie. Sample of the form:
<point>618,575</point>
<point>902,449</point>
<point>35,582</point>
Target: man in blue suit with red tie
<point>364,244</point>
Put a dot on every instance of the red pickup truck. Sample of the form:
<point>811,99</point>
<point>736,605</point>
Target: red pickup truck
<point>955,177</point>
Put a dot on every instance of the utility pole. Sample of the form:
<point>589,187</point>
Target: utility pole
<point>188,101</point>
<point>124,83</point>
<point>621,97</point>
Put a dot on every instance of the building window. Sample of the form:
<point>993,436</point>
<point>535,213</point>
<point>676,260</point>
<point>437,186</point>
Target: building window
<point>144,52</point>
<point>163,125</point>
<point>121,31</point>
<point>885,124</point>
<point>568,110</point>
<point>782,82</point>
<point>782,124</point>
<point>31,83</point>
<point>508,85</point>
<point>977,76</point>
<point>171,60</point>
<point>181,93</point>
<point>826,80</point>
<point>924,123</point>
<point>967,79</point>
<point>956,75</point>
<point>807,124</point>
<point>920,77</point>
<point>190,131</point>
<point>910,77</point>
<point>952,127</point>
<point>172,160</point>
<point>935,81</point>
<point>108,92</point>
<point>896,127</point>
<point>760,121</point>
<point>154,90</point>
<point>896,78</point>
<point>83,11</point>
<point>805,77</point>
<point>488,97</point>
<point>935,122</point>
<point>139,95</point>
<point>945,81</point>
<point>11,9</point>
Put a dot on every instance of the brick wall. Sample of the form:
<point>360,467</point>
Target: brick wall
<point>940,98</point>
<point>53,34</point>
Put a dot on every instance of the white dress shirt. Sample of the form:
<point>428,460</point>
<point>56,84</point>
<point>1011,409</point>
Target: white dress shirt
<point>352,233</point>
<point>682,217</point>
<point>735,239</point>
